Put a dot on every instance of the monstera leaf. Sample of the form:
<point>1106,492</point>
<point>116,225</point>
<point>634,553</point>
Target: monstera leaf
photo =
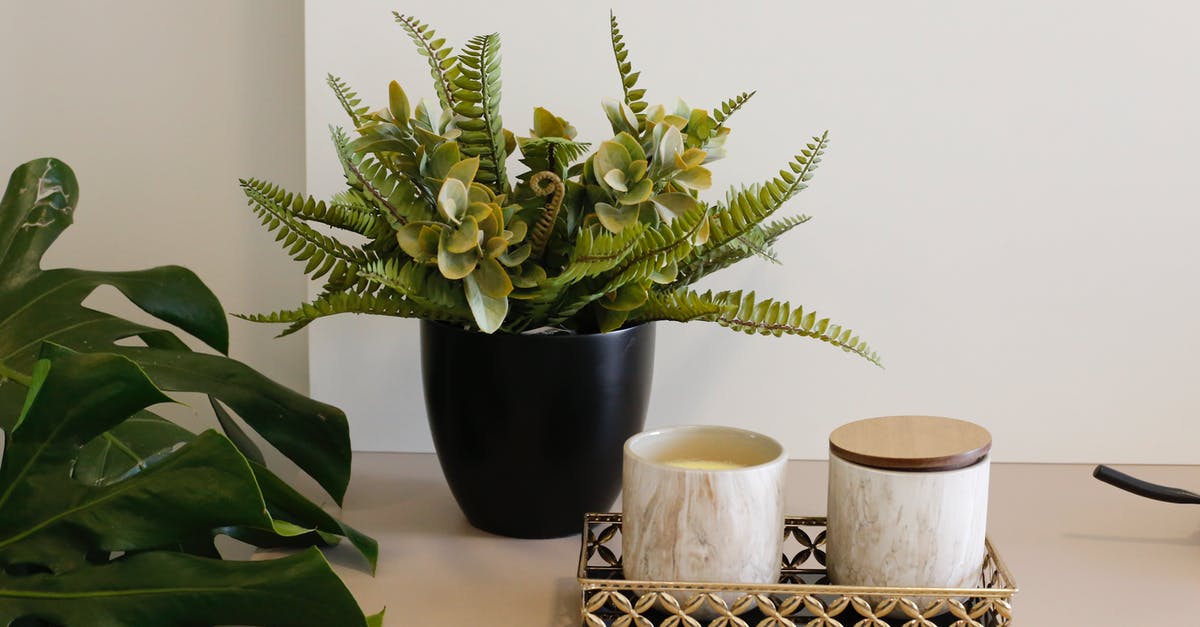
<point>39,305</point>
<point>109,554</point>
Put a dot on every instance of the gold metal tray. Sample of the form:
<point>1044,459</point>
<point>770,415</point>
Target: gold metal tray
<point>802,598</point>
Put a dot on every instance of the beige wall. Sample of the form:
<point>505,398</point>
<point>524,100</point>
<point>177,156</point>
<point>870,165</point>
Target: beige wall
<point>1008,211</point>
<point>160,107</point>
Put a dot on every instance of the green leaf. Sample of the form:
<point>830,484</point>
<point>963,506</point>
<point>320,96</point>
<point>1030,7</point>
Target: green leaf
<point>452,199</point>
<point>38,306</point>
<point>464,171</point>
<point>492,280</point>
<point>489,312</point>
<point>615,219</point>
<point>398,103</point>
<point>463,238</point>
<point>633,97</point>
<point>163,588</point>
<point>442,158</point>
<point>455,265</point>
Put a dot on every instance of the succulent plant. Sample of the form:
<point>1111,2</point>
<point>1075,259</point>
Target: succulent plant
<point>583,239</point>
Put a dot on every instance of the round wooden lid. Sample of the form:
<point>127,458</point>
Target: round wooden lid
<point>917,443</point>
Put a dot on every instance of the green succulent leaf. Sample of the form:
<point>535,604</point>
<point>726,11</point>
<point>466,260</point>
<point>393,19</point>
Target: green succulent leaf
<point>489,312</point>
<point>452,200</point>
<point>464,238</point>
<point>398,103</point>
<point>616,218</point>
<point>491,279</point>
<point>455,265</point>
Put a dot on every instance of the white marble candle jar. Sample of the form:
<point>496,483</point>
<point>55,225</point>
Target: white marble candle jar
<point>907,502</point>
<point>702,504</point>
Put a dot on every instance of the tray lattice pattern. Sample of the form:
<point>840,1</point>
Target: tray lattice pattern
<point>802,598</point>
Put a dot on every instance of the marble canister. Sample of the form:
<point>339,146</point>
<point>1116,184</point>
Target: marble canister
<point>910,510</point>
<point>702,504</point>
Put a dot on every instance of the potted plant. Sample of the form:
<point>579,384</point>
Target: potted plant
<point>537,293</point>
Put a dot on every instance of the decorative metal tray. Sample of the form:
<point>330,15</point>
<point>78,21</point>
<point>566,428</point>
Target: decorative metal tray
<point>802,598</point>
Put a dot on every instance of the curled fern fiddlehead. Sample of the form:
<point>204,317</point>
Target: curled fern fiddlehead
<point>546,184</point>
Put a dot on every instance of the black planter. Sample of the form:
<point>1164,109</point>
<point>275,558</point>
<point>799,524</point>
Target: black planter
<point>529,428</point>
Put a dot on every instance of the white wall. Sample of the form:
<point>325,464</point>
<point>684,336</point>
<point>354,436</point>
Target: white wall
<point>1007,212</point>
<point>160,107</point>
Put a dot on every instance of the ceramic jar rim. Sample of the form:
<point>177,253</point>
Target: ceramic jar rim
<point>780,456</point>
<point>913,472</point>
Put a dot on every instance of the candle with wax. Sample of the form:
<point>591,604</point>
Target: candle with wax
<point>703,464</point>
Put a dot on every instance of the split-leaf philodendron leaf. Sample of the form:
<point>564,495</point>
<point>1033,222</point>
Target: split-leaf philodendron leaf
<point>113,553</point>
<point>45,305</point>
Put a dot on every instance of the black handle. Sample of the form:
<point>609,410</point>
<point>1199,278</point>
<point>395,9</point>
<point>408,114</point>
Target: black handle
<point>1144,488</point>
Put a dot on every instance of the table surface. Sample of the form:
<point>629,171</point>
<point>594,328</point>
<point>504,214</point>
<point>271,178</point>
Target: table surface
<point>1082,552</point>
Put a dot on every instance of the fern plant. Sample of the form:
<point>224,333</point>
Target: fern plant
<point>588,238</point>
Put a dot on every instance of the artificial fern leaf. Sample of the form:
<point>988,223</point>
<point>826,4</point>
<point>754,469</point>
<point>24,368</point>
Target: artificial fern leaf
<point>396,196</point>
<point>549,154</point>
<point>747,207</point>
<point>662,246</point>
<point>344,302</point>
<point>420,283</point>
<point>726,109</point>
<point>441,65</point>
<point>477,92</point>
<point>634,97</point>
<point>678,306</point>
<point>745,313</point>
<point>757,241</point>
<point>349,100</point>
<point>280,211</point>
<point>597,251</point>
<point>348,216</point>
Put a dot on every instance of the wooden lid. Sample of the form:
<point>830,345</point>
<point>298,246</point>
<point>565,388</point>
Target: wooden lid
<point>918,443</point>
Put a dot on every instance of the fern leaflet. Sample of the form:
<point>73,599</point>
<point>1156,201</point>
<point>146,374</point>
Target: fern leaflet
<point>723,112</point>
<point>633,96</point>
<point>477,91</point>
<point>441,64</point>
<point>743,312</point>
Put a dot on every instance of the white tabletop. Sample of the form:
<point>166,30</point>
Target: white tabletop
<point>1083,553</point>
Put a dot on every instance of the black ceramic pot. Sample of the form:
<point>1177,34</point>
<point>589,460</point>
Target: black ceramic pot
<point>529,428</point>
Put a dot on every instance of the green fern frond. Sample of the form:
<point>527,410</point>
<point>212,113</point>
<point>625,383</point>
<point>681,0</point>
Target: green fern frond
<point>662,246</point>
<point>597,251</point>
<point>633,96</point>
<point>396,196</point>
<point>757,241</point>
<point>339,303</point>
<point>421,284</point>
<point>441,65</point>
<point>341,215</point>
<point>677,306</point>
<point>747,207</point>
<point>348,99</point>
<point>743,312</point>
<point>726,109</point>
<point>549,154</point>
<point>477,91</point>
<point>281,212</point>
